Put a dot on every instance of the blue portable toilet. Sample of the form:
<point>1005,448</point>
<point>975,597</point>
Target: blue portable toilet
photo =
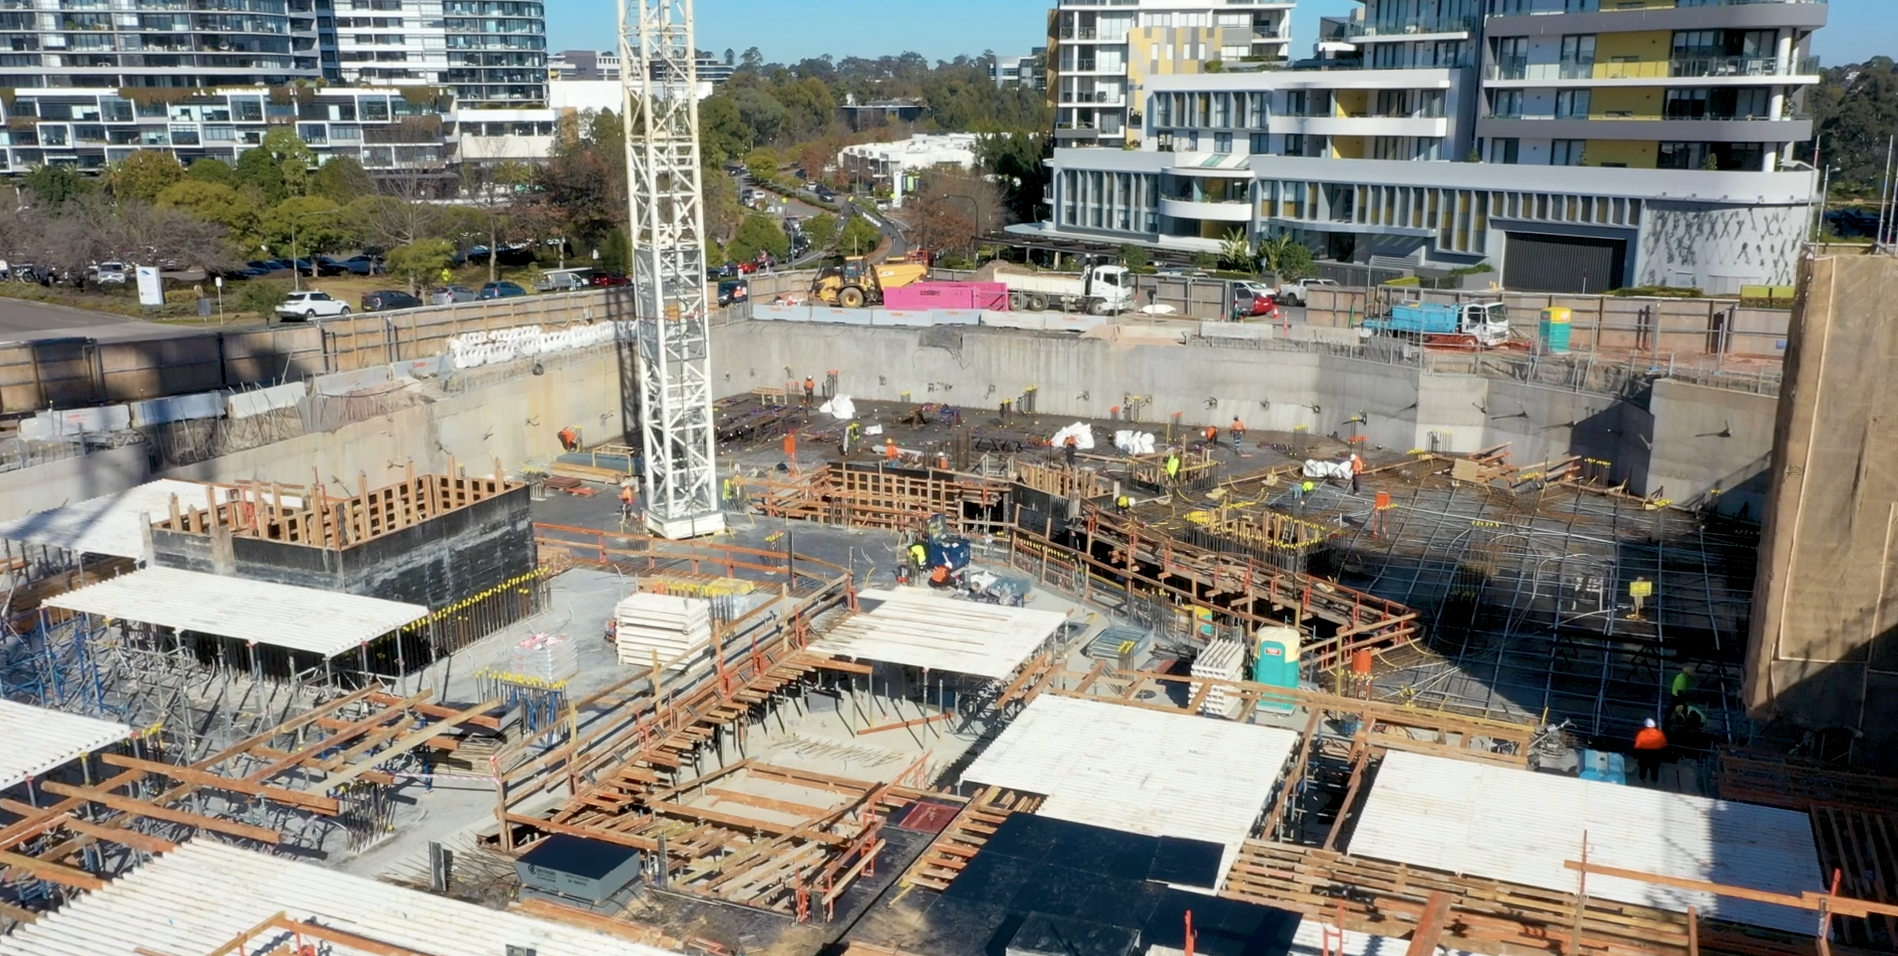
<point>1275,664</point>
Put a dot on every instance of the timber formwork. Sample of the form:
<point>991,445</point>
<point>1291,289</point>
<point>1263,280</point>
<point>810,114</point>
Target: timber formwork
<point>321,781</point>
<point>898,499</point>
<point>312,516</point>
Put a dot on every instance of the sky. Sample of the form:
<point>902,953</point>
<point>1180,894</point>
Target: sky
<point>790,30</point>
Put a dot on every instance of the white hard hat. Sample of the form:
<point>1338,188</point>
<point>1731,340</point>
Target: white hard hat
<point>1648,722</point>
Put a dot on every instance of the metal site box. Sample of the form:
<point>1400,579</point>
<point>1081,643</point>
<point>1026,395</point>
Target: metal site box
<point>577,868</point>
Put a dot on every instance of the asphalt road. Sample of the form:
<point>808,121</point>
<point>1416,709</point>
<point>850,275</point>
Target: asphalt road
<point>23,321</point>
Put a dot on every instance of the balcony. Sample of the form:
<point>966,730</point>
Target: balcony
<point>1735,68</point>
<point>1093,98</point>
<point>1239,211</point>
<point>1712,129</point>
<point>1608,17</point>
<point>1404,28</point>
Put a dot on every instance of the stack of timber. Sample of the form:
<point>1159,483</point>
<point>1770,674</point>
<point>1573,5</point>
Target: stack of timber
<point>674,631</point>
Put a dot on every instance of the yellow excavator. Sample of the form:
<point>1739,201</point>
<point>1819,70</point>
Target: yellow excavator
<point>858,283</point>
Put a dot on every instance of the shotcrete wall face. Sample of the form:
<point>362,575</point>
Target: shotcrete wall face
<point>1686,442</point>
<point>1822,652</point>
<point>435,562</point>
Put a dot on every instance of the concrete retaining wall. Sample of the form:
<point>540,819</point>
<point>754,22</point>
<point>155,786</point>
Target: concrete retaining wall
<point>1402,407</point>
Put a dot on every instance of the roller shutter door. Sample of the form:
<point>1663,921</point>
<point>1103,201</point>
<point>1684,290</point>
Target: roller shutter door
<point>1544,263</point>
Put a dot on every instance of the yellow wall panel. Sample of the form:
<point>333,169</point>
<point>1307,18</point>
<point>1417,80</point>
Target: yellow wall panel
<point>1633,153</point>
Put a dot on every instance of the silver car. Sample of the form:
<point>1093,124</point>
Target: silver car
<point>449,295</point>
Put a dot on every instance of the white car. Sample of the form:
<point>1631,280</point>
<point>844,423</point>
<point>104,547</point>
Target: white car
<point>308,306</point>
<point>1295,293</point>
<point>111,273</point>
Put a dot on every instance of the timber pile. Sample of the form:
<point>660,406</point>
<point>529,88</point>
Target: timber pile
<point>1796,784</point>
<point>965,836</point>
<point>1389,899</point>
<point>1491,466</point>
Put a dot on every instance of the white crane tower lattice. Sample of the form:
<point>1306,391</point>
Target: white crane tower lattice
<point>666,213</point>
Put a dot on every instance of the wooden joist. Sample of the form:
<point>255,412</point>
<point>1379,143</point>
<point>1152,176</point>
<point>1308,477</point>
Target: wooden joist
<point>142,808</point>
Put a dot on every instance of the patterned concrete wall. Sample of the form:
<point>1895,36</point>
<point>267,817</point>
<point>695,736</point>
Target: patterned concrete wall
<point>1719,249</point>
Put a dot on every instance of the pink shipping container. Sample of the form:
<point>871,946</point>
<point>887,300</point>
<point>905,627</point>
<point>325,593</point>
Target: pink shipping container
<point>948,295</point>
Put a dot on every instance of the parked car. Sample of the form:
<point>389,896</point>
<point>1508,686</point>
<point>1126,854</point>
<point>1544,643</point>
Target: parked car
<point>267,265</point>
<point>449,295</point>
<point>388,300</point>
<point>1295,293</point>
<point>826,193</point>
<point>564,280</point>
<point>725,271</point>
<point>733,290</point>
<point>320,266</point>
<point>360,265</point>
<point>309,306</point>
<point>501,290</point>
<point>111,273</point>
<point>609,279</point>
<point>512,254</point>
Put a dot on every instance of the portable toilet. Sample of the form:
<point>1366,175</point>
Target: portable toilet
<point>1203,623</point>
<point>1556,323</point>
<point>1275,664</point>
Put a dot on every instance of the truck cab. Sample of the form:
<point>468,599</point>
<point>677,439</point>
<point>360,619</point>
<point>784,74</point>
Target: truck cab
<point>1486,322</point>
<point>1109,289</point>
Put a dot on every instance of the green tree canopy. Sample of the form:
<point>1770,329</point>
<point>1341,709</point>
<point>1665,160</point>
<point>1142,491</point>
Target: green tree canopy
<point>758,234</point>
<point>316,223</point>
<point>144,174</point>
<point>822,230</point>
<point>859,237</point>
<point>55,185</point>
<point>218,203</point>
<point>419,262</point>
<point>212,170</point>
<point>341,179</point>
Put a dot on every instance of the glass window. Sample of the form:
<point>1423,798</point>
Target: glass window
<point>1567,152</point>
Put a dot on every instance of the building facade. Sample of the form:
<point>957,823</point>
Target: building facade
<point>1426,133</point>
<point>1100,57</point>
<point>1026,71</point>
<point>389,130</point>
<point>486,51</point>
<point>581,65</point>
<point>898,165</point>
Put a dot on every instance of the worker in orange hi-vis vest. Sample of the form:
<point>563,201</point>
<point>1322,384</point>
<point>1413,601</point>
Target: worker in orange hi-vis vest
<point>1650,743</point>
<point>890,452</point>
<point>1357,469</point>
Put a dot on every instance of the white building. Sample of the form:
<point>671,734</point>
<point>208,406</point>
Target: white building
<point>486,51</point>
<point>897,165</point>
<point>1669,124</point>
<point>1101,56</point>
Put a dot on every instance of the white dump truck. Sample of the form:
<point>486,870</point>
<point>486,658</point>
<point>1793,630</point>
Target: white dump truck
<point>1097,290</point>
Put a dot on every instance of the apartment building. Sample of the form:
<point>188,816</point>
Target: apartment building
<point>1427,130</point>
<point>153,44</point>
<point>1101,54</point>
<point>486,51</point>
<point>581,65</point>
<point>1021,70</point>
<point>388,130</point>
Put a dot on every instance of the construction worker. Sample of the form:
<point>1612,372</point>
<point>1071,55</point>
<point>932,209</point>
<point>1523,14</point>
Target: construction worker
<point>810,390</point>
<point>570,438</point>
<point>1070,448</point>
<point>1238,431</point>
<point>1172,467</point>
<point>1212,436</point>
<point>852,434</point>
<point>627,496</point>
<point>890,452</point>
<point>1357,470</point>
<point>1683,683</point>
<point>919,556</point>
<point>1649,745</point>
<point>1122,503</point>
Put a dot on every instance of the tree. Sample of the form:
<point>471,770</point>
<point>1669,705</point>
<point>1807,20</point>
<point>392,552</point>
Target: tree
<point>494,190</point>
<point>821,229</point>
<point>216,203</point>
<point>257,171</point>
<point>751,59</point>
<point>398,215</point>
<point>763,161</point>
<point>1015,159</point>
<point>341,179</point>
<point>1855,112</point>
<point>1235,252</point>
<point>314,223</point>
<point>859,237</point>
<point>55,185</point>
<point>951,208</point>
<point>758,234</point>
<point>144,174</point>
<point>293,157</point>
<point>212,170</point>
<point>722,132</point>
<point>418,262</point>
<point>1287,258</point>
<point>1135,257</point>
